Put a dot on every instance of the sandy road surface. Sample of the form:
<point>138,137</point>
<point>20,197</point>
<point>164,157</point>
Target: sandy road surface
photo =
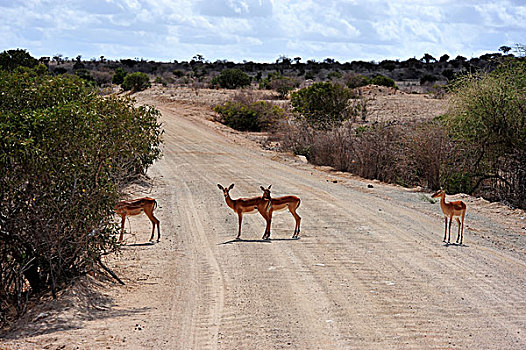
<point>369,272</point>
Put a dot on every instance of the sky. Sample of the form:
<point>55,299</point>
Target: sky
<point>261,30</point>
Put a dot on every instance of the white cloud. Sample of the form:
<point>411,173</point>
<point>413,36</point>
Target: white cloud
<point>261,29</point>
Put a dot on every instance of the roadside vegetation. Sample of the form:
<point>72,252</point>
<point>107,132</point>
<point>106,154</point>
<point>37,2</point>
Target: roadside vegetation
<point>65,153</point>
<point>478,147</point>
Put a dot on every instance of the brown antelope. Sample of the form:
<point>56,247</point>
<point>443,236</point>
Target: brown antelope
<point>452,209</point>
<point>280,203</point>
<point>135,207</point>
<point>245,206</point>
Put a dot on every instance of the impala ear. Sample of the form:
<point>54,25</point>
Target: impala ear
<point>262,188</point>
<point>269,186</point>
<point>231,187</point>
<point>220,187</point>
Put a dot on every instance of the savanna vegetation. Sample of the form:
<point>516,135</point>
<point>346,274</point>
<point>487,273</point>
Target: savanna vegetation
<point>65,154</point>
<point>477,147</point>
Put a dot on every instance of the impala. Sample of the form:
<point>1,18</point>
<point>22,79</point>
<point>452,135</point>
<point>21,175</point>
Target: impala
<point>281,203</point>
<point>245,206</point>
<point>452,209</point>
<point>135,207</point>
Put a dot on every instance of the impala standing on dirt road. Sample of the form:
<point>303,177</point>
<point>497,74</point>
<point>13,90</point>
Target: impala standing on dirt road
<point>280,203</point>
<point>245,206</point>
<point>135,207</point>
<point>451,209</point>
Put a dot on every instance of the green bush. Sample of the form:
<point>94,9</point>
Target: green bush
<point>249,116</point>
<point>118,76</point>
<point>487,114</point>
<point>178,73</point>
<point>137,81</point>
<point>428,78</point>
<point>85,75</point>
<point>383,81</point>
<point>281,84</point>
<point>310,75</point>
<point>11,59</point>
<point>65,154</point>
<point>334,75</point>
<point>231,79</point>
<point>323,105</point>
<point>357,80</point>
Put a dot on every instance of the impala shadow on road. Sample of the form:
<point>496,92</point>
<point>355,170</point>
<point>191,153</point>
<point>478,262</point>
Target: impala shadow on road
<point>258,240</point>
<point>456,245</point>
<point>241,240</point>
<point>138,244</point>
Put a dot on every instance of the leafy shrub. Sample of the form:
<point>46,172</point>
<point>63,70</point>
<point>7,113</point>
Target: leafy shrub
<point>11,59</point>
<point>281,84</point>
<point>137,81</point>
<point>449,74</point>
<point>85,75</point>
<point>65,154</point>
<point>118,76</point>
<point>231,79</point>
<point>310,75</point>
<point>246,115</point>
<point>160,80</point>
<point>323,104</point>
<point>487,115</point>
<point>334,75</point>
<point>428,78</point>
<point>383,81</point>
<point>178,73</point>
<point>356,80</point>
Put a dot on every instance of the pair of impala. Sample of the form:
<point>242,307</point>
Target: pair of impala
<point>265,205</point>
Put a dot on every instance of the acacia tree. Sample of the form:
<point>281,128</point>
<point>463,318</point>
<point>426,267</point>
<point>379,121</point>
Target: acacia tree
<point>231,79</point>
<point>11,59</point>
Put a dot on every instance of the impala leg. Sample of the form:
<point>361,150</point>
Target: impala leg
<point>298,222</point>
<point>445,228</point>
<point>158,230</point>
<point>462,230</point>
<point>458,234</point>
<point>123,221</point>
<point>240,217</point>
<point>155,221</point>
<point>449,232</point>
<point>268,218</point>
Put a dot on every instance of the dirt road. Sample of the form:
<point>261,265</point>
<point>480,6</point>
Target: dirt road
<point>370,270</point>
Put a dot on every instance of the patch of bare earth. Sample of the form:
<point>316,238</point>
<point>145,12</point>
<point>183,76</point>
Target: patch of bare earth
<point>370,270</point>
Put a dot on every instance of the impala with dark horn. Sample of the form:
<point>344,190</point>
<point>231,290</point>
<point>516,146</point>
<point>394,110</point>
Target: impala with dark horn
<point>452,209</point>
<point>245,206</point>
<point>135,207</point>
<point>281,203</point>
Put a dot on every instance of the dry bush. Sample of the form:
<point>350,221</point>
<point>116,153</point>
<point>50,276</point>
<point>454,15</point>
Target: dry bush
<point>102,78</point>
<point>408,154</point>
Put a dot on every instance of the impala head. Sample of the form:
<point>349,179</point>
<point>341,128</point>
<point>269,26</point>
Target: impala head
<point>266,191</point>
<point>439,193</point>
<point>225,190</point>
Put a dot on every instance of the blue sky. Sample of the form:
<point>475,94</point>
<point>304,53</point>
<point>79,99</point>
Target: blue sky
<point>261,30</point>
